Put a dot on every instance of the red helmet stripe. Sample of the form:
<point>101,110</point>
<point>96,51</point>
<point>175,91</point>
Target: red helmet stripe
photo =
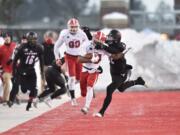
<point>100,36</point>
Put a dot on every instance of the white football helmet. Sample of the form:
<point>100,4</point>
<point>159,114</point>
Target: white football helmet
<point>99,37</point>
<point>73,25</point>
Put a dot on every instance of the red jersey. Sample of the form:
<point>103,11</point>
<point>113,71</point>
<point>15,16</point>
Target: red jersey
<point>5,54</point>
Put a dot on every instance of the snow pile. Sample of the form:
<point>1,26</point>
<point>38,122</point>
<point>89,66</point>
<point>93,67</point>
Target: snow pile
<point>154,59</point>
<point>116,15</point>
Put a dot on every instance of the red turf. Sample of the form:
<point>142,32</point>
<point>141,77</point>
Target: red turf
<point>130,113</point>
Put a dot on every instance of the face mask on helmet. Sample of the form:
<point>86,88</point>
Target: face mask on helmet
<point>31,37</point>
<point>114,37</point>
<point>73,25</point>
<point>99,37</point>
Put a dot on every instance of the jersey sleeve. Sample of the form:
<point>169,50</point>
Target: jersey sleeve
<point>58,44</point>
<point>41,59</point>
<point>90,48</point>
<point>85,38</point>
<point>17,55</point>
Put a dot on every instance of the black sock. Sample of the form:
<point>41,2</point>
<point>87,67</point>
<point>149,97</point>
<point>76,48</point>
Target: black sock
<point>72,94</point>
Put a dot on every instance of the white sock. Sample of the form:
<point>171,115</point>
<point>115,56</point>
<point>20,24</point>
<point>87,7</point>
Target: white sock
<point>89,96</point>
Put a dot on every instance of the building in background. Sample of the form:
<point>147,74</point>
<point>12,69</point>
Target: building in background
<point>177,7</point>
<point>114,13</point>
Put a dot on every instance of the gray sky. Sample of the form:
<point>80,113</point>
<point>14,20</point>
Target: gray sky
<point>152,4</point>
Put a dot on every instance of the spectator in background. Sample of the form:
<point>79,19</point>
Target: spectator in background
<point>1,90</point>
<point>50,38</point>
<point>6,51</point>
<point>1,38</point>
<point>1,43</point>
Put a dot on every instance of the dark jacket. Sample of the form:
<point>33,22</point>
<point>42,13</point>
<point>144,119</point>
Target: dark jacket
<point>48,53</point>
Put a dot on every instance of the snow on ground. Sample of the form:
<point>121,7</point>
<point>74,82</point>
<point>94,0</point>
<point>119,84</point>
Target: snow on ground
<point>151,57</point>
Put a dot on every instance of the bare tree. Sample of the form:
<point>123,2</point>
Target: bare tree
<point>8,10</point>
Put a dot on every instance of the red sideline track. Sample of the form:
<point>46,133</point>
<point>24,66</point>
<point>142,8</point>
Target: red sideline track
<point>130,113</point>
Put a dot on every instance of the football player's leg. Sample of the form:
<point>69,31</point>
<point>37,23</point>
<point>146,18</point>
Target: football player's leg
<point>126,85</point>
<point>83,83</point>
<point>14,90</point>
<point>92,78</point>
<point>23,83</point>
<point>78,70</point>
<point>33,89</point>
<point>50,88</point>
<point>109,91</point>
<point>71,81</point>
<point>59,80</point>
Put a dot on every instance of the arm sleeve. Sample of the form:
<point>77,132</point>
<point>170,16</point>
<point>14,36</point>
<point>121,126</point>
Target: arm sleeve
<point>41,59</point>
<point>111,49</point>
<point>116,48</point>
<point>14,52</point>
<point>58,44</point>
<point>15,59</point>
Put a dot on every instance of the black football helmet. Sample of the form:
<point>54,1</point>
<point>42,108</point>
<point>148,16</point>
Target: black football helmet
<point>32,37</point>
<point>114,37</point>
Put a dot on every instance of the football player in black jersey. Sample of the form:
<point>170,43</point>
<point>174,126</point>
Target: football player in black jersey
<point>56,83</point>
<point>15,79</point>
<point>28,54</point>
<point>119,69</point>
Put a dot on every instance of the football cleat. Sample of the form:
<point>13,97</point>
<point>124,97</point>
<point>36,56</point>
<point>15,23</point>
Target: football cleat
<point>99,115</point>
<point>84,110</point>
<point>141,81</point>
<point>74,102</point>
<point>10,103</point>
<point>47,101</point>
<point>35,102</point>
<point>28,106</point>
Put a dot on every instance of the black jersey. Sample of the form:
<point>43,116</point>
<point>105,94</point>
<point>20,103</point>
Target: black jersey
<point>118,66</point>
<point>28,55</point>
<point>54,67</point>
<point>115,48</point>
